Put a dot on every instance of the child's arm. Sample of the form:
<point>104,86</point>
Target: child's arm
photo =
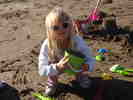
<point>86,50</point>
<point>46,69</point>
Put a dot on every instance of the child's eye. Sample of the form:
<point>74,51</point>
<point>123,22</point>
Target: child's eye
<point>65,25</point>
<point>55,28</point>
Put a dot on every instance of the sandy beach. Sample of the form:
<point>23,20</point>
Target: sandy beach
<point>22,31</point>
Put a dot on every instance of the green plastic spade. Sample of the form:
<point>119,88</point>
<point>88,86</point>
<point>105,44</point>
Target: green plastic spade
<point>119,69</point>
<point>39,96</point>
<point>75,60</point>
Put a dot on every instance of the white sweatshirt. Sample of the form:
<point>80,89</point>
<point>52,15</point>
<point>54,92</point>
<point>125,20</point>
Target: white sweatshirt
<point>46,69</point>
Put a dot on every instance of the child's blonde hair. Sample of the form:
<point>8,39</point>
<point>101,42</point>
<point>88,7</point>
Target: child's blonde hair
<point>55,46</point>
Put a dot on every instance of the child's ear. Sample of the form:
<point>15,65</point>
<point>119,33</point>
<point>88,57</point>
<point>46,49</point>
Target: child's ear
<point>73,28</point>
<point>73,23</point>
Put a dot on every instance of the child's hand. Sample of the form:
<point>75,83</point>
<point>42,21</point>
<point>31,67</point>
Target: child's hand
<point>85,67</point>
<point>63,63</point>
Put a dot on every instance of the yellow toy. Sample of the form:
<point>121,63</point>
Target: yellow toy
<point>106,76</point>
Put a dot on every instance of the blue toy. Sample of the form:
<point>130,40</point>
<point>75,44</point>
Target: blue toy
<point>102,50</point>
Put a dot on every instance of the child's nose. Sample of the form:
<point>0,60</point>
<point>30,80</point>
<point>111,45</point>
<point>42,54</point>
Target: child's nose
<point>61,32</point>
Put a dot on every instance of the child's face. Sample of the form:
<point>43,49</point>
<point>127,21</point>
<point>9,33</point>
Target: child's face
<point>60,29</point>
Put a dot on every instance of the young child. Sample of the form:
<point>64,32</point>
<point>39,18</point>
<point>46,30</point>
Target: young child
<point>61,36</point>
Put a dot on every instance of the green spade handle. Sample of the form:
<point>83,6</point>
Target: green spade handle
<point>38,96</point>
<point>129,70</point>
<point>122,72</point>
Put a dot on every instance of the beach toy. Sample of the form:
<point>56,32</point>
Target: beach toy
<point>3,86</point>
<point>129,69</point>
<point>76,60</point>
<point>116,67</point>
<point>93,18</point>
<point>39,96</point>
<point>119,69</point>
<point>102,50</point>
<point>106,76</point>
<point>100,57</point>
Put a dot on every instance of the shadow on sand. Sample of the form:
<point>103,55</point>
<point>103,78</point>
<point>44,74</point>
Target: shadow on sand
<point>100,90</point>
<point>113,33</point>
